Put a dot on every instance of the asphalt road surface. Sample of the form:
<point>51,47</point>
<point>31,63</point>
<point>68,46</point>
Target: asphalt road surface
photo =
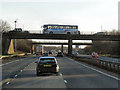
<point>72,75</point>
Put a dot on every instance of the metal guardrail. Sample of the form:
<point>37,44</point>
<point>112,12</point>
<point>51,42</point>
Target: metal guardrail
<point>115,60</point>
<point>112,60</point>
<point>105,64</point>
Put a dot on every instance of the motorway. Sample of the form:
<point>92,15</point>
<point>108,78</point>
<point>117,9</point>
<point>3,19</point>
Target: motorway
<point>73,74</point>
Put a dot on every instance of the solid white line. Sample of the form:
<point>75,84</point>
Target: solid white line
<point>97,70</point>
<point>6,63</point>
<point>9,62</point>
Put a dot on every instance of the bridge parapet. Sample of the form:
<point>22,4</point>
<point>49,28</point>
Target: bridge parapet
<point>62,36</point>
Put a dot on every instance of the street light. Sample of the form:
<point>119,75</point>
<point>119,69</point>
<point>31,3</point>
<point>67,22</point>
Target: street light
<point>15,23</point>
<point>15,44</point>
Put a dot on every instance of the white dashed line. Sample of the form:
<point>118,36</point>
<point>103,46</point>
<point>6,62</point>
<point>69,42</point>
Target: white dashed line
<point>10,62</point>
<point>8,83</point>
<point>65,81</point>
<point>16,75</point>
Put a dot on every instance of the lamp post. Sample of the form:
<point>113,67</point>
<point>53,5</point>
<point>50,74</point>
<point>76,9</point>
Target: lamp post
<point>15,39</point>
<point>15,23</point>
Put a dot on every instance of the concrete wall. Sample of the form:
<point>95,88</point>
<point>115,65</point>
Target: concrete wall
<point>5,44</point>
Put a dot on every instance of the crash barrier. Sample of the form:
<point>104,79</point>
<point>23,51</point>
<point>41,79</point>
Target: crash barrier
<point>113,66</point>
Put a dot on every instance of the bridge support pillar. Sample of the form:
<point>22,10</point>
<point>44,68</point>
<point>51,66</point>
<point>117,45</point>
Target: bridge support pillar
<point>0,43</point>
<point>70,46</point>
<point>62,48</point>
<point>5,44</point>
<point>32,49</point>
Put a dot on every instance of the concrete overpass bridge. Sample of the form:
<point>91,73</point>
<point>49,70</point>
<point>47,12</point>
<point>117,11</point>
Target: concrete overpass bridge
<point>58,43</point>
<point>21,35</point>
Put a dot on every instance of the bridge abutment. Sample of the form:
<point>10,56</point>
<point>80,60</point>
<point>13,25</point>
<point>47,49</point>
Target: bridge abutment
<point>5,44</point>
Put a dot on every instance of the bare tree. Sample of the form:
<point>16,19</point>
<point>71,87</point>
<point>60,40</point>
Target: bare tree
<point>4,26</point>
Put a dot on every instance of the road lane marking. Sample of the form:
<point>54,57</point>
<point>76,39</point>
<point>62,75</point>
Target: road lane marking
<point>5,64</point>
<point>4,81</point>
<point>13,61</point>
<point>16,76</point>
<point>96,70</point>
<point>60,74</point>
<point>65,81</point>
<point>8,83</point>
<point>9,62</point>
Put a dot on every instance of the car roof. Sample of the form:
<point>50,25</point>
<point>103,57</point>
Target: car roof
<point>47,57</point>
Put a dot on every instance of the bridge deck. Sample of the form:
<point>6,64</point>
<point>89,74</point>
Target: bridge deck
<point>61,36</point>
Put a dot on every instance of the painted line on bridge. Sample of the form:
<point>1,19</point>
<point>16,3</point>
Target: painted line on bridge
<point>95,70</point>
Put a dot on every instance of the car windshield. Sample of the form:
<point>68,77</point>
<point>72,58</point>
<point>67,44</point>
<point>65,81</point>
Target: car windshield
<point>47,60</point>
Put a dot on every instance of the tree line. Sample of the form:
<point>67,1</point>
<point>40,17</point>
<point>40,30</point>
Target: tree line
<point>105,47</point>
<point>23,45</point>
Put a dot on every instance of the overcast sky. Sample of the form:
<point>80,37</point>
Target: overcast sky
<point>89,15</point>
